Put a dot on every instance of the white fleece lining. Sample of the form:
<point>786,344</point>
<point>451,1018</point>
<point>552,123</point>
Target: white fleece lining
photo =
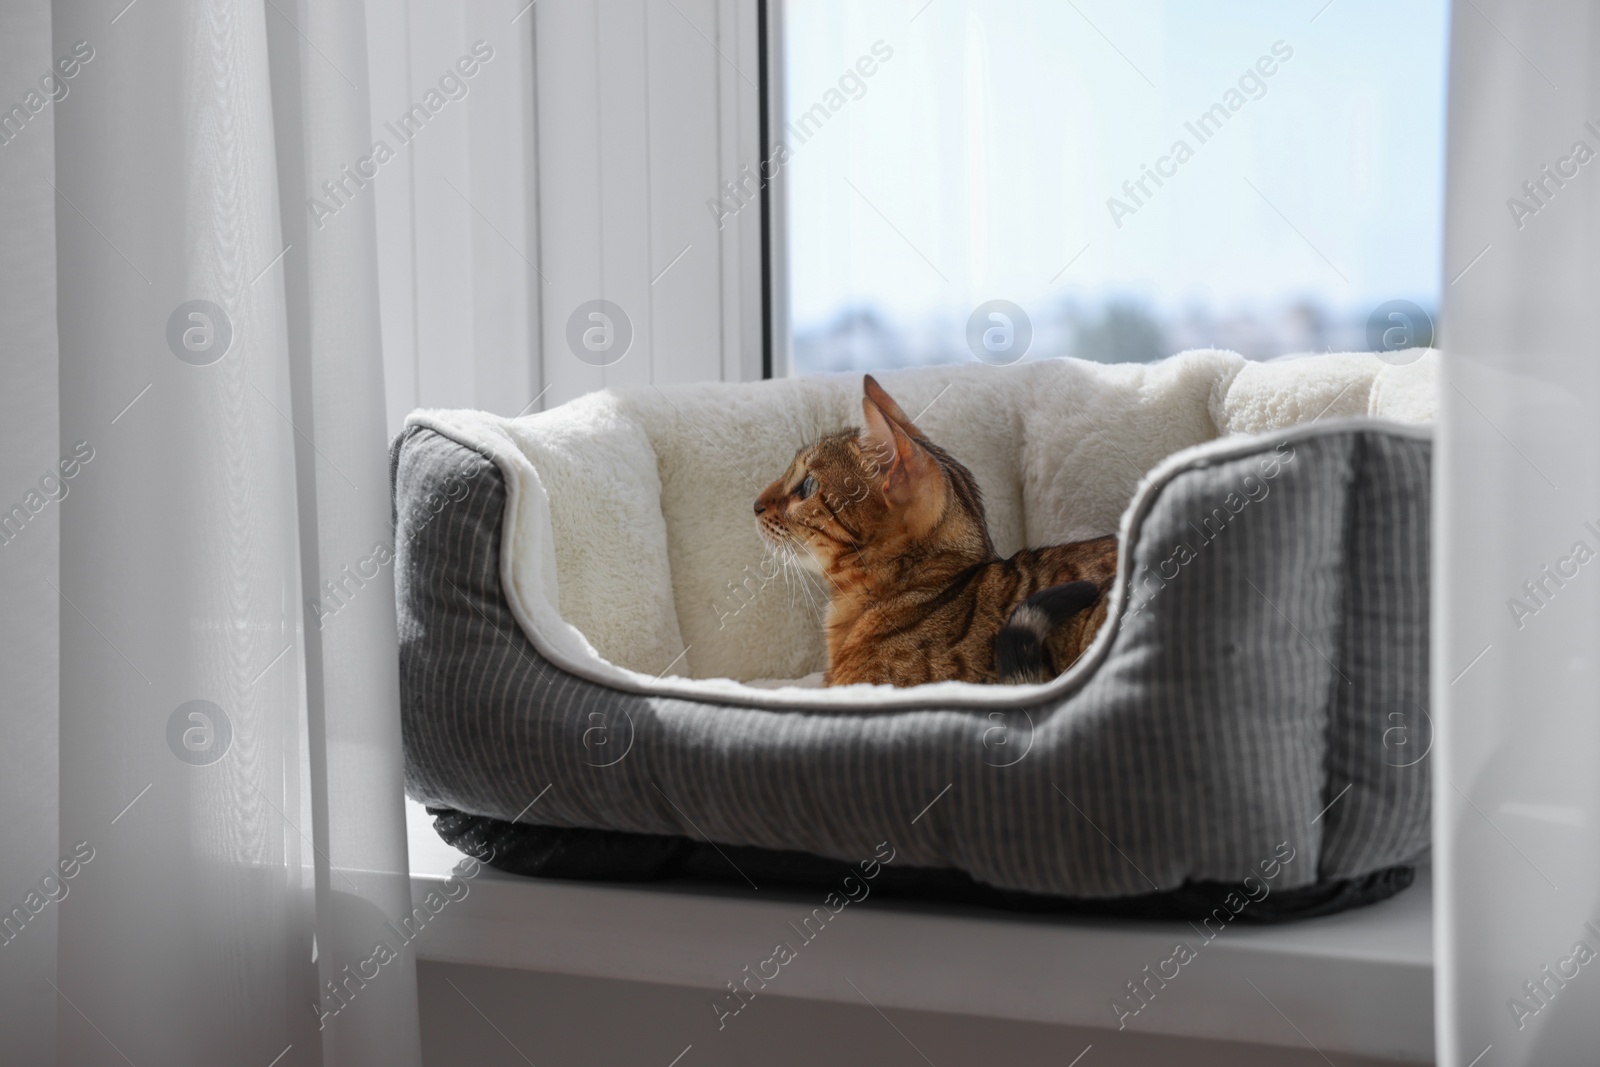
<point>531,584</point>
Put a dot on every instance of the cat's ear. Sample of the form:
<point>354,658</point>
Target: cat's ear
<point>907,474</point>
<point>874,392</point>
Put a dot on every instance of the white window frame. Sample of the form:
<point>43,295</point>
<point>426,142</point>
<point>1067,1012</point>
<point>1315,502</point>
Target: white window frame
<point>586,163</point>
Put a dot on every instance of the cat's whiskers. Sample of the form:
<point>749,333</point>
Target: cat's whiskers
<point>783,555</point>
<point>787,562</point>
<point>780,554</point>
<point>791,582</point>
<point>797,578</point>
<point>797,575</point>
<point>805,587</point>
<point>809,581</point>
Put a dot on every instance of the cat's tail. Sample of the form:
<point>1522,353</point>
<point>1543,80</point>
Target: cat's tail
<point>1022,647</point>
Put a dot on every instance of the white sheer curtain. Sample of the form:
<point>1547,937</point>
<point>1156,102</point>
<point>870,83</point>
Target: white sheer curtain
<point>1517,796</point>
<point>29,608</point>
<point>218,874</point>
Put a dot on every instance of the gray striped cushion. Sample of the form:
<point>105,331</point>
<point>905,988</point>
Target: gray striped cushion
<point>1255,682</point>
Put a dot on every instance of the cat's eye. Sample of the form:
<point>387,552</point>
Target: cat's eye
<point>807,487</point>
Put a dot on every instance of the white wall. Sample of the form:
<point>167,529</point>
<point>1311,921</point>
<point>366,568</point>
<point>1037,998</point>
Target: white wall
<point>500,1018</point>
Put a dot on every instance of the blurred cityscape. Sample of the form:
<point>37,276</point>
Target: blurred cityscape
<point>1114,331</point>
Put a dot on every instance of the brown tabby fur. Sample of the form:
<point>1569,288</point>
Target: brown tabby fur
<point>915,587</point>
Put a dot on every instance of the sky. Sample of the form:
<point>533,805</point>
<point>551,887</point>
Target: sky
<point>976,162</point>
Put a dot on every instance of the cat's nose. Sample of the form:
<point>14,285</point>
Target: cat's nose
<point>760,507</point>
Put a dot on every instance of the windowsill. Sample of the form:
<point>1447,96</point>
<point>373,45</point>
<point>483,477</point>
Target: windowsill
<point>1360,982</point>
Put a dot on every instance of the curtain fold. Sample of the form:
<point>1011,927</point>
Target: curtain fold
<point>1517,619</point>
<point>31,493</point>
<point>230,788</point>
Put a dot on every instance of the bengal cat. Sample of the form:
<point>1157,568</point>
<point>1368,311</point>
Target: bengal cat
<point>916,591</point>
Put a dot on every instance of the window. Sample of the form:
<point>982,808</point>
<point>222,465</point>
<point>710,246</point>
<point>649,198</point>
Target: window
<point>1136,177</point>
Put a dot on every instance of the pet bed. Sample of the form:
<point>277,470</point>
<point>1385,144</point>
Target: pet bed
<point>589,640</point>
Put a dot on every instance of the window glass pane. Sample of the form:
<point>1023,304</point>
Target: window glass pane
<point>1138,177</point>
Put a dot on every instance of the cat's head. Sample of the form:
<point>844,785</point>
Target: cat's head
<point>870,494</point>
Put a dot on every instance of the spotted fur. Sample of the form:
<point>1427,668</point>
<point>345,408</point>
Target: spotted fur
<point>916,591</point>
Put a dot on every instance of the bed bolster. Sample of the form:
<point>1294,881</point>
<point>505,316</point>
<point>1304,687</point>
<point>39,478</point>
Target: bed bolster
<point>1240,723</point>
